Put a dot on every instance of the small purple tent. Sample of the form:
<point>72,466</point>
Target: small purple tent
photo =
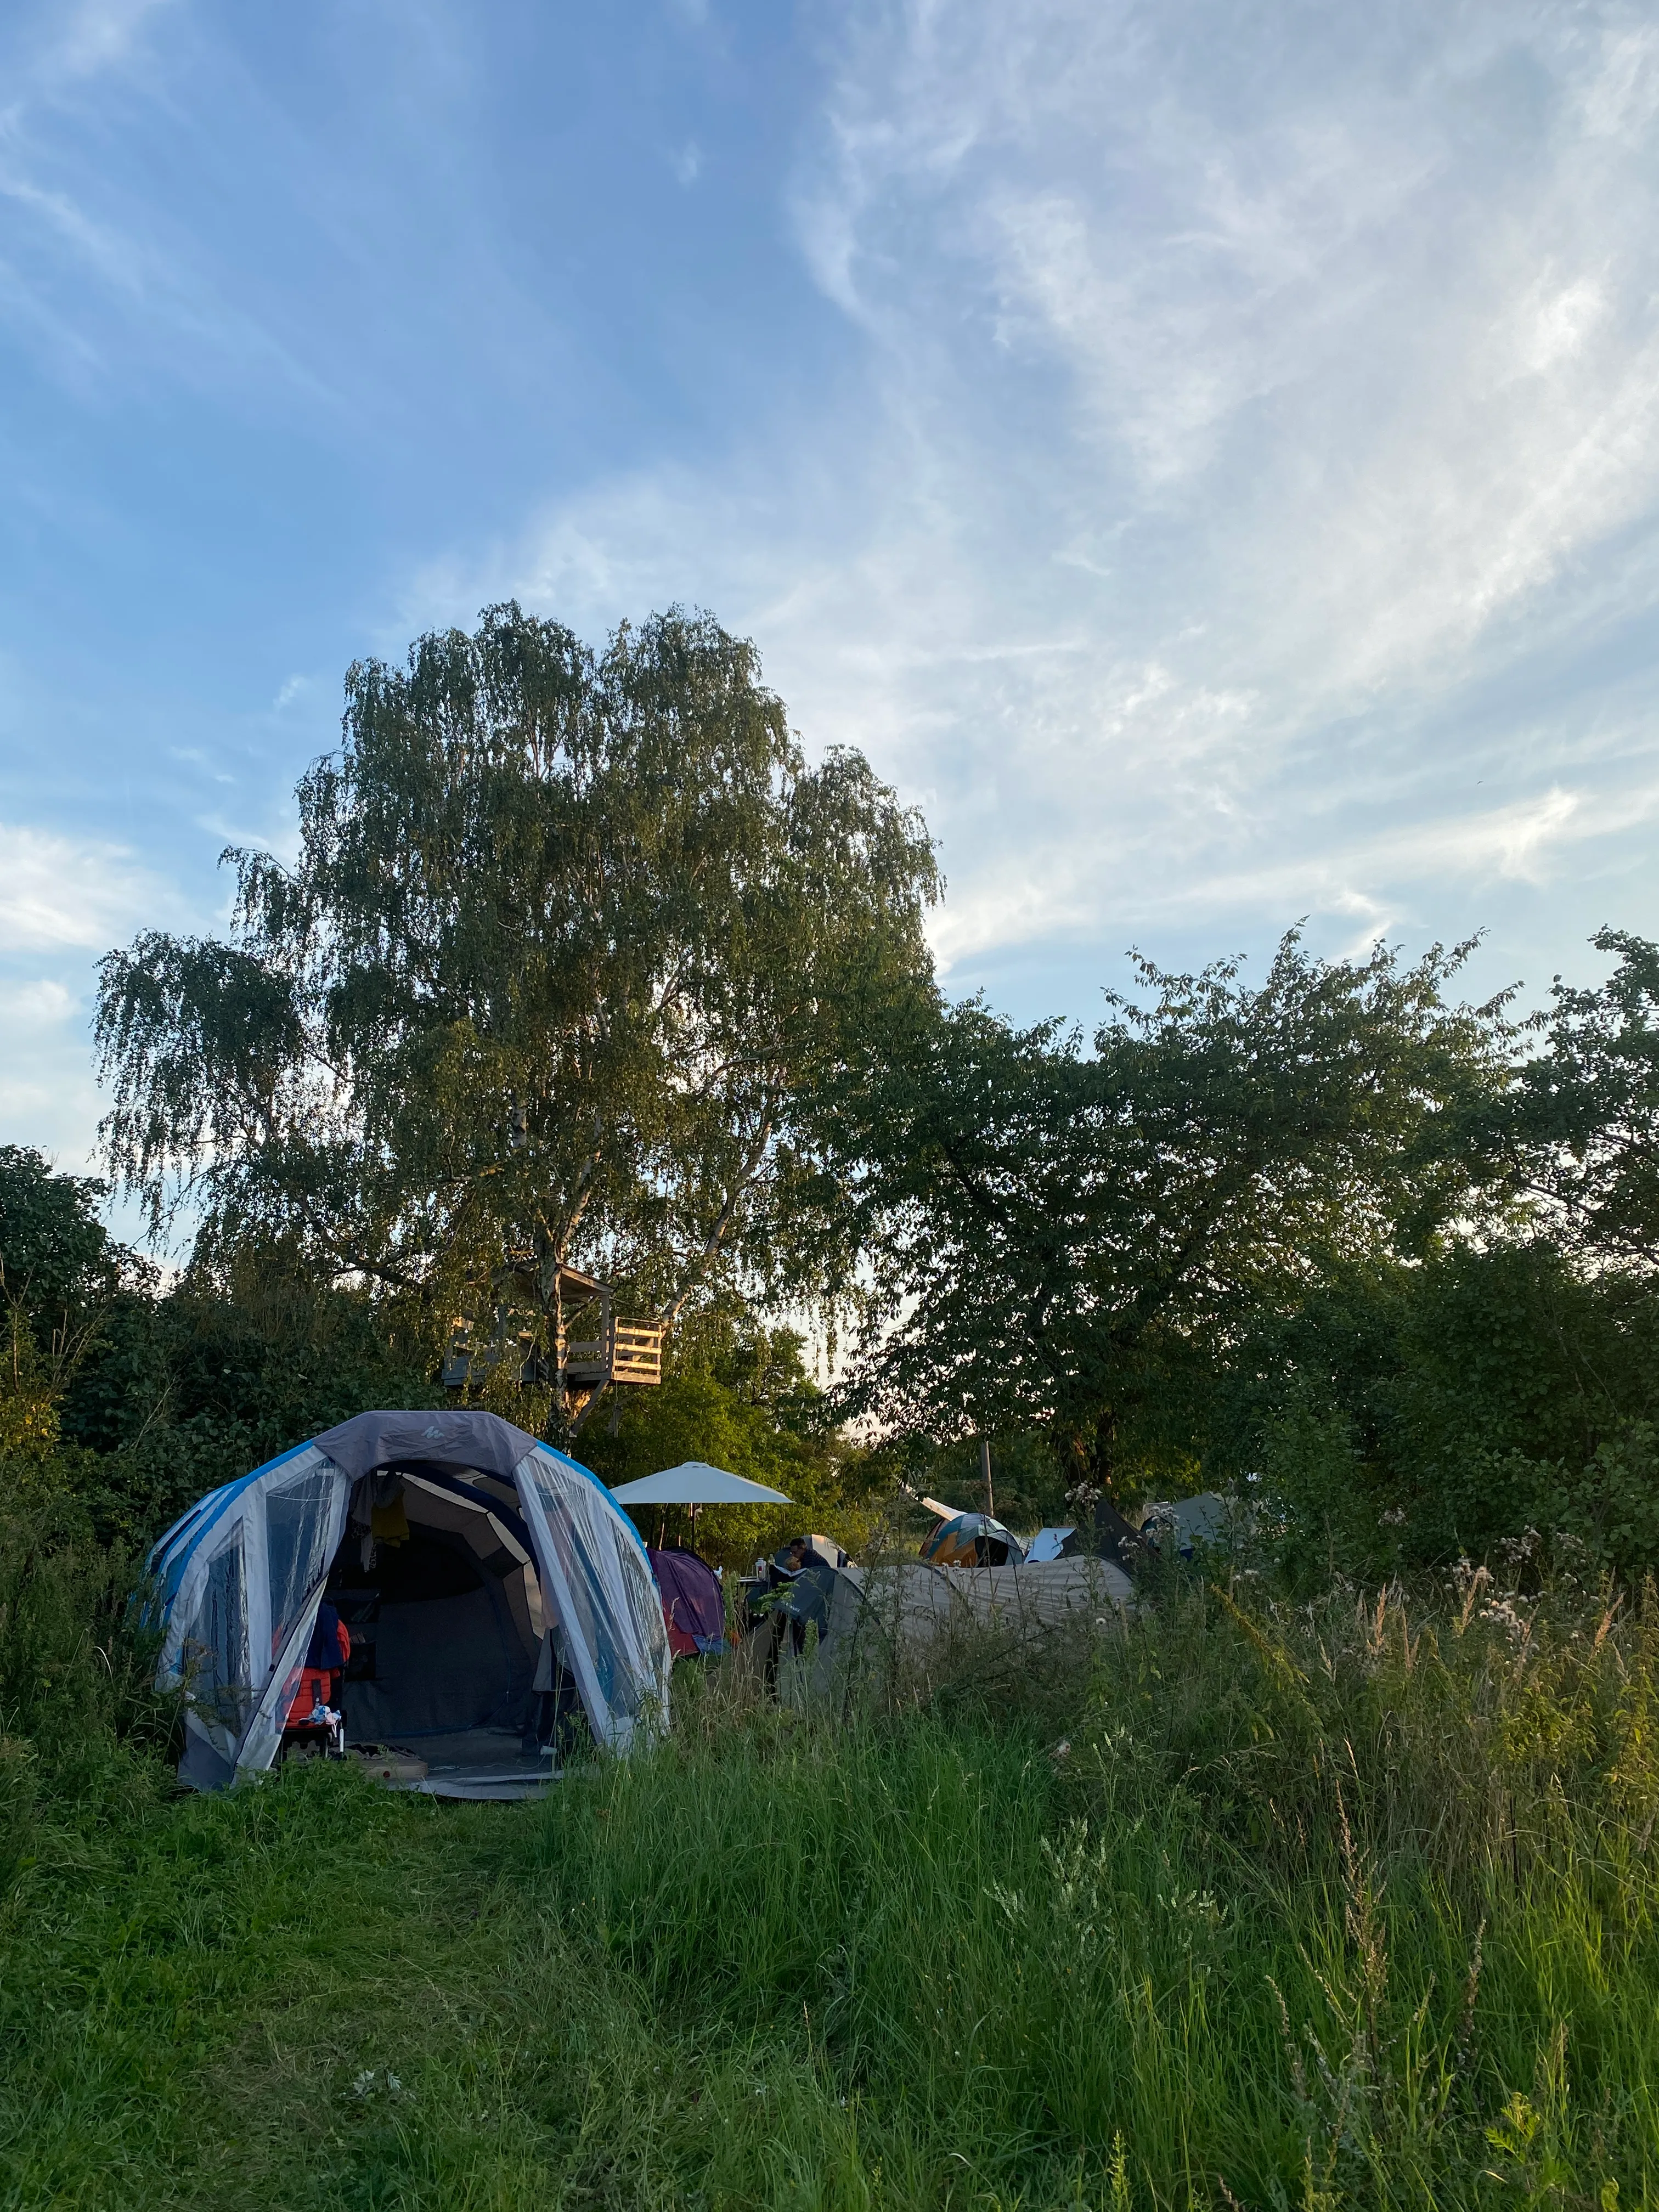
<point>693,1603</point>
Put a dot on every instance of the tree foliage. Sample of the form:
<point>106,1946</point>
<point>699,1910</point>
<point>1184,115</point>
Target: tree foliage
<point>569,940</point>
<point>1076,1238</point>
<point>1408,1413</point>
<point>1579,1129</point>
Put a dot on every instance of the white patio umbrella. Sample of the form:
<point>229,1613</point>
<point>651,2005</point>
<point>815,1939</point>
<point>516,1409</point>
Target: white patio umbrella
<point>696,1483</point>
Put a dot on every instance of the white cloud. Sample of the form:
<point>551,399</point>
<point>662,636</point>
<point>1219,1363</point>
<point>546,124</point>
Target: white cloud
<point>96,36</point>
<point>47,1094</point>
<point>1252,498</point>
<point>42,1004</point>
<point>57,892</point>
<point>63,901</point>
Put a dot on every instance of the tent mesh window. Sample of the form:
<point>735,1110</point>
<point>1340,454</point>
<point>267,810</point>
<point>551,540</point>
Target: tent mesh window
<point>297,1523</point>
<point>216,1650</point>
<point>603,1582</point>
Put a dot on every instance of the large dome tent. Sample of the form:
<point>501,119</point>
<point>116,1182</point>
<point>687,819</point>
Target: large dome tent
<point>460,1545</point>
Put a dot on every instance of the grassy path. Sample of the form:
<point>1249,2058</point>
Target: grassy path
<point>1254,1934</point>
<point>188,2004</point>
<point>314,1994</point>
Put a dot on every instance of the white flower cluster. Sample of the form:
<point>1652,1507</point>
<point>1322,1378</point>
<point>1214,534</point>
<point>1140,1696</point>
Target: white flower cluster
<point>1508,1615</point>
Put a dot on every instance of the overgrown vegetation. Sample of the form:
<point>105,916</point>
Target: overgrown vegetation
<point>1324,1879</point>
<point>1346,1904</point>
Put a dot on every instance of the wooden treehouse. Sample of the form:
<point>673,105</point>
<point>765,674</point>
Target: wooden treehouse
<point>620,1353</point>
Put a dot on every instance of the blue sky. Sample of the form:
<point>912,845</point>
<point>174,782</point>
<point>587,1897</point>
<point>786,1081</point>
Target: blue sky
<point>1207,457</point>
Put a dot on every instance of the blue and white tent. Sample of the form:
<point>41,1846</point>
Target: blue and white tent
<point>468,1555</point>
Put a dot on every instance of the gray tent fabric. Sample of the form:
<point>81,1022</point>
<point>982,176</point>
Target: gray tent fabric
<point>505,1538</point>
<point>453,1441</point>
<point>893,1619</point>
<point>1178,1525</point>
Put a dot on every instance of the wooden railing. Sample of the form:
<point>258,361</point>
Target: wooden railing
<point>630,1352</point>
<point>636,1351</point>
<point>627,1351</point>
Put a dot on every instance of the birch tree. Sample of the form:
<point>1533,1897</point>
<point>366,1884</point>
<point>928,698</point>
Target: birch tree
<point>570,940</point>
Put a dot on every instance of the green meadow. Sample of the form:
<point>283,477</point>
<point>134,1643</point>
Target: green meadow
<point>1236,1903</point>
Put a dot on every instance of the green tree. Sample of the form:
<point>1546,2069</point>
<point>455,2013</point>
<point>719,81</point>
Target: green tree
<point>740,1395</point>
<point>56,1259</point>
<point>569,942</point>
<point>1076,1239</point>
<point>63,1281</point>
<point>1407,1413</point>
<point>1579,1129</point>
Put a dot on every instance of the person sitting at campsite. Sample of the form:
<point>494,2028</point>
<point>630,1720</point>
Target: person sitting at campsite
<point>804,1600</point>
<point>323,1671</point>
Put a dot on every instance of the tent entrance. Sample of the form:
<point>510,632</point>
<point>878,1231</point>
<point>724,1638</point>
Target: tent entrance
<point>441,1596</point>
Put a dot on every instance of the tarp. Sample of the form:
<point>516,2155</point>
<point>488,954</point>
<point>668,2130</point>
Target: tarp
<point>1050,1594</point>
<point>888,1619</point>
<point>241,1575</point>
<point>695,1483</point>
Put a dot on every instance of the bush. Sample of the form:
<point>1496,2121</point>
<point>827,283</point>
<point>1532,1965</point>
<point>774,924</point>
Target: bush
<point>81,1722</point>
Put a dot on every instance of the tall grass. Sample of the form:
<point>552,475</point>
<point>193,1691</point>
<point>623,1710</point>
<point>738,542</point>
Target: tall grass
<point>1235,1903</point>
<point>1323,1906</point>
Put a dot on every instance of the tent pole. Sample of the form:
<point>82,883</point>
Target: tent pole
<point>984,1476</point>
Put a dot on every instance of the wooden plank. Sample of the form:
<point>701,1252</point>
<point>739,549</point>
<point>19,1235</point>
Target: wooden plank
<point>636,1351</point>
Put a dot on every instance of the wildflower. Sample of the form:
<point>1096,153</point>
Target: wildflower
<point>1505,1613</point>
<point>1518,1549</point>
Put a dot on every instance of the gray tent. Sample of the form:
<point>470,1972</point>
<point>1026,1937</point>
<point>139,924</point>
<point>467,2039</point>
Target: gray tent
<point>464,1555</point>
<point>1180,1524</point>
<point>896,1618</point>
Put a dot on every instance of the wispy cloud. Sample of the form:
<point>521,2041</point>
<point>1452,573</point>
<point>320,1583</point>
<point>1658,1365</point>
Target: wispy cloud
<point>57,892</point>
<point>91,39</point>
<point>91,279</point>
<point>1258,448</point>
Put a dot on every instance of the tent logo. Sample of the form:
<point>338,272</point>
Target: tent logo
<point>434,1431</point>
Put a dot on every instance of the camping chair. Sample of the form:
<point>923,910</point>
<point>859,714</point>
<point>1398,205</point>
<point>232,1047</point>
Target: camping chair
<point>315,1721</point>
